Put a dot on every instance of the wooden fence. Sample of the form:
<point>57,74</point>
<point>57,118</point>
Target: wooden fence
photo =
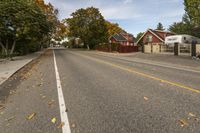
<point>116,48</point>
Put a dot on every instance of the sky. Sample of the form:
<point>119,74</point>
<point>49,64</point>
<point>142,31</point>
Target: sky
<point>134,16</point>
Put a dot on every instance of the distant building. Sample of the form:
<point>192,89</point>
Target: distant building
<point>154,37</point>
<point>153,41</point>
<point>122,38</point>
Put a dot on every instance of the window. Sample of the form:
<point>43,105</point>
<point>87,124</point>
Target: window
<point>149,38</point>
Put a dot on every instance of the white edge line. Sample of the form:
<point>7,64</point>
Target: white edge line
<point>63,113</point>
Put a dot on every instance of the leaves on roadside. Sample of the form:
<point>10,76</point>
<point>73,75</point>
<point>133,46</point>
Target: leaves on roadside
<point>1,113</point>
<point>53,120</point>
<point>10,118</point>
<point>191,114</point>
<point>12,92</point>
<point>31,116</point>
<point>8,124</point>
<point>2,106</point>
<point>197,119</point>
<point>61,125</point>
<point>40,84</point>
<point>183,122</point>
<point>73,125</point>
<point>33,86</point>
<point>146,98</point>
<point>50,103</point>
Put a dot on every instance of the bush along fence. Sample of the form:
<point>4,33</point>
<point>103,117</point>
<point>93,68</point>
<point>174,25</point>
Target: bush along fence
<point>115,47</point>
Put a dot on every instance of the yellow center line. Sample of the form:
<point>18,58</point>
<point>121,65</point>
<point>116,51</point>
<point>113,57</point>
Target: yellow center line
<point>142,74</point>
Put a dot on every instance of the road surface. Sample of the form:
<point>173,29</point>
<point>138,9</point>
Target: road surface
<point>101,94</point>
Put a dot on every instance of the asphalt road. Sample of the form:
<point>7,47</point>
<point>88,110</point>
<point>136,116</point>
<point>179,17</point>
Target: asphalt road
<point>102,95</point>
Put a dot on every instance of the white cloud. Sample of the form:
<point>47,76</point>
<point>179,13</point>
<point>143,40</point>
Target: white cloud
<point>127,1</point>
<point>133,15</point>
<point>114,11</point>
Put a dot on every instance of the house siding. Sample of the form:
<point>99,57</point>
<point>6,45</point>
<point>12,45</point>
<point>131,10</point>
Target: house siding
<point>154,38</point>
<point>113,40</point>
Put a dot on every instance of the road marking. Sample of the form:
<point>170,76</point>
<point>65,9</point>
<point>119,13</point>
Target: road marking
<point>63,113</point>
<point>155,63</point>
<point>142,74</point>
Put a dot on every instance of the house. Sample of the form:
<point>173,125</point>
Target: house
<point>153,41</point>
<point>122,38</point>
<point>154,37</point>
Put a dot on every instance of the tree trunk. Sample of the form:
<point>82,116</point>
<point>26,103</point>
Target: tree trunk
<point>12,49</point>
<point>88,47</point>
<point>3,48</point>
<point>7,44</point>
<point>41,45</point>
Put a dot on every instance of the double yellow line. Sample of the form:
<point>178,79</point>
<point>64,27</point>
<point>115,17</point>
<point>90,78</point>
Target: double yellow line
<point>142,74</point>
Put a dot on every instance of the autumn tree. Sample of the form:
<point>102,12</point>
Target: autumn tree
<point>51,14</point>
<point>192,8</point>
<point>113,28</point>
<point>21,20</point>
<point>61,31</point>
<point>88,25</point>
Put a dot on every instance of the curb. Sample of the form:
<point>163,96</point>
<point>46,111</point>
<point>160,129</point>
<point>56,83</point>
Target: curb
<point>28,62</point>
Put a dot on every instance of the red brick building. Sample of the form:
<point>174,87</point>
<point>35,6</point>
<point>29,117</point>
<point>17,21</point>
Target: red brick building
<point>122,38</point>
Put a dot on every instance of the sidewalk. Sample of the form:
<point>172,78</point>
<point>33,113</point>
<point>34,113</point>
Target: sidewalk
<point>8,68</point>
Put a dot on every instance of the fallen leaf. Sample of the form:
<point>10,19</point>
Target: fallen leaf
<point>183,122</point>
<point>33,86</point>
<point>197,119</point>
<point>61,125</point>
<point>1,113</point>
<point>191,114</point>
<point>53,120</point>
<point>40,84</point>
<point>51,102</point>
<point>2,107</point>
<point>73,125</point>
<point>31,116</point>
<point>146,98</point>
<point>8,124</point>
<point>11,118</point>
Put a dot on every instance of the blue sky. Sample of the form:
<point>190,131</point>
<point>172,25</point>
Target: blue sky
<point>132,15</point>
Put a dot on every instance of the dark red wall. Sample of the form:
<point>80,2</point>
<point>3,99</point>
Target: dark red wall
<point>154,39</point>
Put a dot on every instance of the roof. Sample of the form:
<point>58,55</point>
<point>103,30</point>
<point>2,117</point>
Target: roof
<point>155,33</point>
<point>119,37</point>
<point>164,31</point>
